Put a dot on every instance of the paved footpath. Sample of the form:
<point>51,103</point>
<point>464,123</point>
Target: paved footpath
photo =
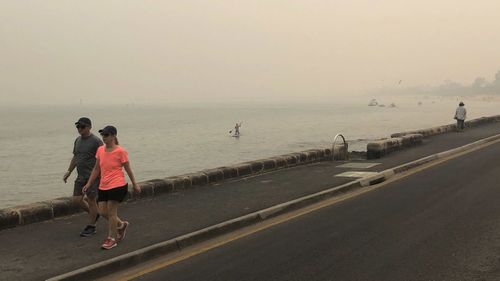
<point>42,250</point>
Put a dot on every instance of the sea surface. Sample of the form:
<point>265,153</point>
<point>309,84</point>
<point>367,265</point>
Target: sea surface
<point>165,140</point>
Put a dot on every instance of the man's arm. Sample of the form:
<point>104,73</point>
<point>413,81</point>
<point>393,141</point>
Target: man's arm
<point>71,167</point>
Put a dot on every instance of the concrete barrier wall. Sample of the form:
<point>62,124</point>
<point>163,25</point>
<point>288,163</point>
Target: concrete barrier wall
<point>383,147</point>
<point>398,141</point>
<point>59,207</point>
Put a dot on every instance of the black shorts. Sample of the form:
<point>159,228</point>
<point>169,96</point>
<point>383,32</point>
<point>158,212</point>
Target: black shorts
<point>114,194</point>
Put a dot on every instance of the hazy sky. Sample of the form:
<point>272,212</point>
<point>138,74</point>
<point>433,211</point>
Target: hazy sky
<point>175,50</point>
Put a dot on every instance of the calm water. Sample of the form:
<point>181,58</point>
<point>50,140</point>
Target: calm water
<point>36,144</point>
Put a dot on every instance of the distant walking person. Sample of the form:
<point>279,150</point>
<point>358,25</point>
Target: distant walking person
<point>84,150</point>
<point>113,188</point>
<point>460,116</point>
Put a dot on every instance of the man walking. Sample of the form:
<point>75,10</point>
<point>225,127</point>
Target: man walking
<point>84,151</point>
<point>460,115</point>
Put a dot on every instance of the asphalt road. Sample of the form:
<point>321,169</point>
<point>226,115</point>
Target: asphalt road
<point>442,223</point>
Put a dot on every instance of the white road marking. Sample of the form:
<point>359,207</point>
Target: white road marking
<point>356,174</point>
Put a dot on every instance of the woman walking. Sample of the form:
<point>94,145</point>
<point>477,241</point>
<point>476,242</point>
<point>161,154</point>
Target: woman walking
<point>111,159</point>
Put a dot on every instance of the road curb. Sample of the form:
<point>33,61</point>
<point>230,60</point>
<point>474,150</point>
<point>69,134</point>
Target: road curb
<point>419,162</point>
<point>181,242</point>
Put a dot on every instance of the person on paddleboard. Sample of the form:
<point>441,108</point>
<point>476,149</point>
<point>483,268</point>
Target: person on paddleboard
<point>236,129</point>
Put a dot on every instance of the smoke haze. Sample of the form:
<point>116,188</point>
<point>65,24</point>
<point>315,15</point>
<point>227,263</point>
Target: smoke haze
<point>61,52</point>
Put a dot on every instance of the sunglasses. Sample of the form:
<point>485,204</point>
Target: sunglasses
<point>81,126</point>
<point>104,135</point>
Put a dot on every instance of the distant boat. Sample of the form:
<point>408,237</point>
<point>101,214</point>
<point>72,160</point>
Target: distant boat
<point>381,105</point>
<point>373,102</point>
<point>392,105</point>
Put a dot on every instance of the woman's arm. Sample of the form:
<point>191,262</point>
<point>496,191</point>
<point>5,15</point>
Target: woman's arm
<point>93,176</point>
<point>137,188</point>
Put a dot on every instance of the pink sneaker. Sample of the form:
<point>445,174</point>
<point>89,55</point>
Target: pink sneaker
<point>122,231</point>
<point>109,243</point>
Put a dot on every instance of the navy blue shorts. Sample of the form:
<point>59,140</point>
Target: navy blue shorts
<point>113,194</point>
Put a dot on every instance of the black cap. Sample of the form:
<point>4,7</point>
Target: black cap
<point>461,104</point>
<point>108,130</point>
<point>84,121</point>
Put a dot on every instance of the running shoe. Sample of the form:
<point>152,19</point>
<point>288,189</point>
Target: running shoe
<point>122,231</point>
<point>88,231</point>
<point>109,243</point>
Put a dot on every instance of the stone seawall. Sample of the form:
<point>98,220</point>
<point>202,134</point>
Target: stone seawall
<point>378,149</point>
<point>450,127</point>
<point>50,209</point>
